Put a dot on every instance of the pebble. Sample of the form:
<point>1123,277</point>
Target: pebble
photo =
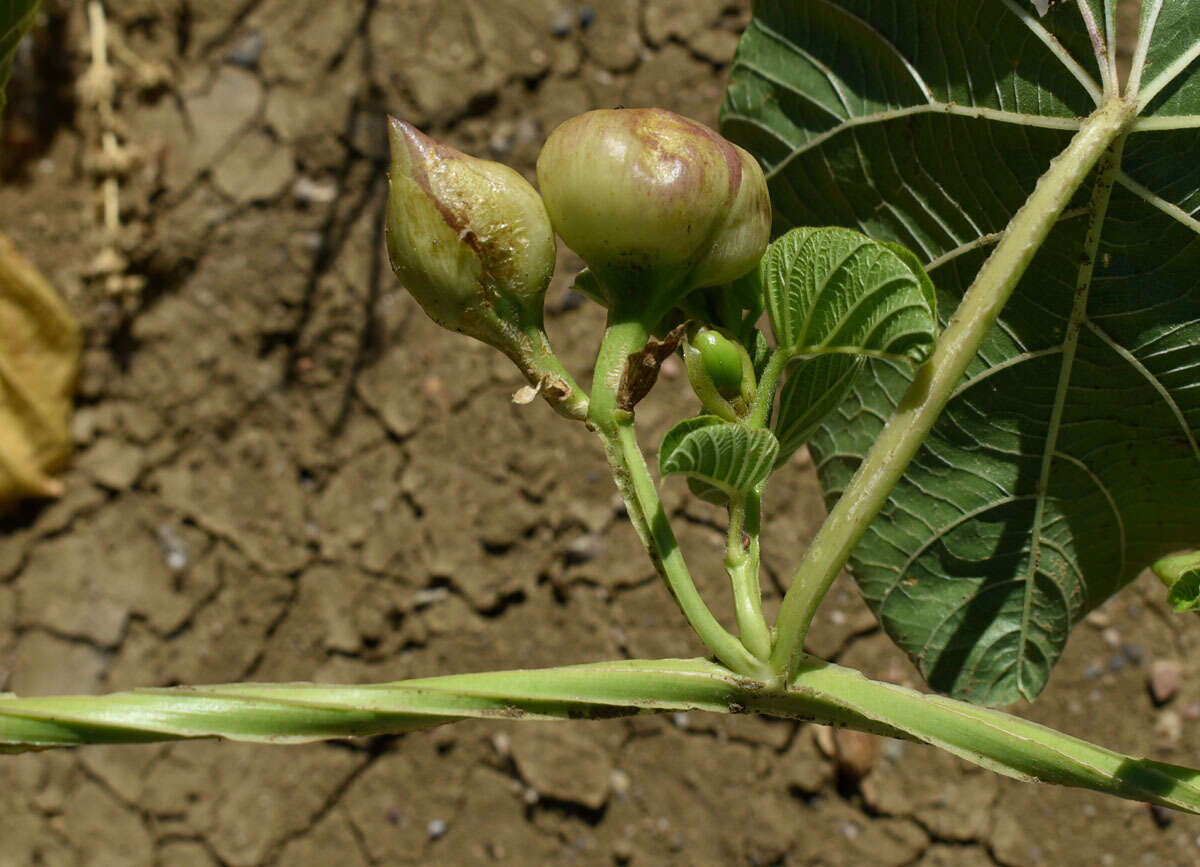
<point>587,16</point>
<point>247,52</point>
<point>1162,816</point>
<point>562,23</point>
<point>305,189</point>
<point>587,547</point>
<point>567,302</point>
<point>1169,727</point>
<point>854,752</point>
<point>436,828</point>
<point>174,549</point>
<point>1164,680</point>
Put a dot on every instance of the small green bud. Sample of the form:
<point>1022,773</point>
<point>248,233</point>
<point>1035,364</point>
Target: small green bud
<point>656,204</point>
<point>722,361</point>
<point>469,238</point>
<point>721,373</point>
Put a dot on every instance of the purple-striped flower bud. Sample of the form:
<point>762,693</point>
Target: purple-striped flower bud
<point>469,238</point>
<point>656,204</point>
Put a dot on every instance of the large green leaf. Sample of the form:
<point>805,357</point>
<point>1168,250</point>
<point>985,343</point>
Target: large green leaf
<point>726,455</point>
<point>16,17</point>
<point>1067,460</point>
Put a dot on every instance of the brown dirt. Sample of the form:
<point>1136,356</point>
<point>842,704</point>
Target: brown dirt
<point>284,471</point>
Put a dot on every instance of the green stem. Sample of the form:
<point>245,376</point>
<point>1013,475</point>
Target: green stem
<point>546,373</point>
<point>615,428</point>
<point>668,559</point>
<point>929,392</point>
<point>821,692</point>
<point>760,412</point>
<point>742,568</point>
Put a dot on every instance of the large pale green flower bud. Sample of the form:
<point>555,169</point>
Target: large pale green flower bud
<point>656,204</point>
<point>469,238</point>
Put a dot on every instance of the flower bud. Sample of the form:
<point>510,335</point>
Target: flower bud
<point>721,373</point>
<point>722,361</point>
<point>656,204</point>
<point>469,238</point>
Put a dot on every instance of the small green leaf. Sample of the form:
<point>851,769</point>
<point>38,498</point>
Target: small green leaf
<point>589,286</point>
<point>909,258</point>
<point>702,490</point>
<point>836,290</point>
<point>16,18</point>
<point>813,389</point>
<point>726,455</point>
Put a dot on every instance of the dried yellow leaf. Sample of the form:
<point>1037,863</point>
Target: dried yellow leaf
<point>39,362</point>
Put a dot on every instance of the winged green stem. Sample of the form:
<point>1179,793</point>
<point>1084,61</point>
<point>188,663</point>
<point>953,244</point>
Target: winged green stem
<point>821,692</point>
<point>615,427</point>
<point>931,389</point>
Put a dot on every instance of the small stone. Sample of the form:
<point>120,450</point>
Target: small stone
<point>587,16</point>
<point>247,51</point>
<point>587,547</point>
<point>562,22</point>
<point>1164,680</point>
<point>257,169</point>
<point>854,752</point>
<point>436,828</point>
<point>1163,817</point>
<point>174,548</point>
<point>569,301</point>
<point>113,463</point>
<point>561,762</point>
<point>314,192</point>
<point>1169,727</point>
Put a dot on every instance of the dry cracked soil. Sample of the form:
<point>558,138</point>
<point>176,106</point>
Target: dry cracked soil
<point>284,471</point>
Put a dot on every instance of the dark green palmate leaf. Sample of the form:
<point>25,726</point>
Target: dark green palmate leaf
<point>728,456</point>
<point>833,290</point>
<point>1067,460</point>
<point>16,17</point>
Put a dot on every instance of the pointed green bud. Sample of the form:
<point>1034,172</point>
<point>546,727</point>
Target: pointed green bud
<point>469,238</point>
<point>656,204</point>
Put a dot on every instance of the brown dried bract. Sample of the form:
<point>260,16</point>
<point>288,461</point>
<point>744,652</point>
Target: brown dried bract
<point>641,368</point>
<point>39,362</point>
